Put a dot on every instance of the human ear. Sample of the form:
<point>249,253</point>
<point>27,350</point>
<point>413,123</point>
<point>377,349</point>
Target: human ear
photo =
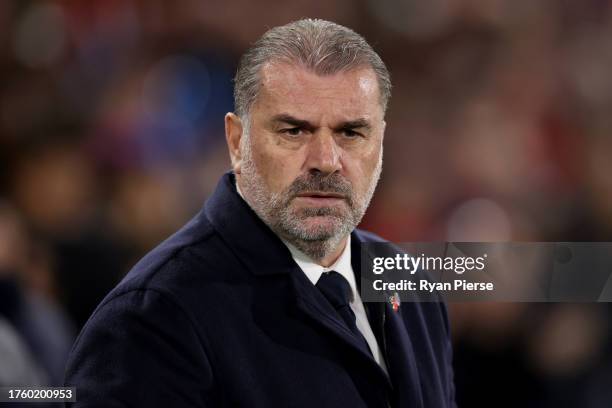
<point>233,135</point>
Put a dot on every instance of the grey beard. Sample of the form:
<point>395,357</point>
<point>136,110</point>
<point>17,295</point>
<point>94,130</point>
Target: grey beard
<point>316,244</point>
<point>274,208</point>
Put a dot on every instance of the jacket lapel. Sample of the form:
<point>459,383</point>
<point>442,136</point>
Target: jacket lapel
<point>401,361</point>
<point>390,331</point>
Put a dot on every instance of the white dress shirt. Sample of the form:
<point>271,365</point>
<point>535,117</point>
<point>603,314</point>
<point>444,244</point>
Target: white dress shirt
<point>344,267</point>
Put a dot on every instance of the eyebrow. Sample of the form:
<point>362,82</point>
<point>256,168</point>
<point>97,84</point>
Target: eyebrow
<point>360,123</point>
<point>290,120</point>
<point>293,121</point>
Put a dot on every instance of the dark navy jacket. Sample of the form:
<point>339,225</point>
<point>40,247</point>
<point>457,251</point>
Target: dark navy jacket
<point>219,315</point>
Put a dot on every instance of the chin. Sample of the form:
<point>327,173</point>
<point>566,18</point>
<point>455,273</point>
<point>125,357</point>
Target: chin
<point>320,227</point>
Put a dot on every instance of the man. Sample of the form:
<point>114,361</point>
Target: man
<point>255,302</point>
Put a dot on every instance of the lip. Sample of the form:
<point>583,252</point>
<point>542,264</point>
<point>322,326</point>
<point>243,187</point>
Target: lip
<point>321,194</point>
<point>321,198</point>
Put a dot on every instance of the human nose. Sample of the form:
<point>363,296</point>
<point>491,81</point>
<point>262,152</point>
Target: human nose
<point>323,154</point>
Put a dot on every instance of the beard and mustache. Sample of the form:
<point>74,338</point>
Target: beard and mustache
<point>316,231</point>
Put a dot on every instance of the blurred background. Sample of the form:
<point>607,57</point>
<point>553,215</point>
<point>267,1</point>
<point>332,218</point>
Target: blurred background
<point>499,128</point>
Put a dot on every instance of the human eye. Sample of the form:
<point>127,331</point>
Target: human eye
<point>293,132</point>
<point>350,133</point>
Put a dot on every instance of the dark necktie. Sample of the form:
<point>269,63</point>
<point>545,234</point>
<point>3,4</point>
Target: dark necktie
<point>337,290</point>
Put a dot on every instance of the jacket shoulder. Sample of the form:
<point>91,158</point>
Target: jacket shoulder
<point>379,245</point>
<point>194,257</point>
<point>367,236</point>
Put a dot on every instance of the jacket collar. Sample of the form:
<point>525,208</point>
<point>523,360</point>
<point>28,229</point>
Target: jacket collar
<point>256,245</point>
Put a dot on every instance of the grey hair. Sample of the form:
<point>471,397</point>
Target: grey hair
<point>321,46</point>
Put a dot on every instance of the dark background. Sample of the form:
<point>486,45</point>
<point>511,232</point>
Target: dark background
<point>111,137</point>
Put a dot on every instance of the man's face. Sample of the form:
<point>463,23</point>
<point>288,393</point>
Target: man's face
<point>314,151</point>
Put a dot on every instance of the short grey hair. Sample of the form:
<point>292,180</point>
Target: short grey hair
<point>321,46</point>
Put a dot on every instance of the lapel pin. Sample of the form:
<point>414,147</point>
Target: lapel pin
<point>395,301</point>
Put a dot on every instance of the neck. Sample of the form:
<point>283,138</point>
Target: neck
<point>333,256</point>
<point>324,253</point>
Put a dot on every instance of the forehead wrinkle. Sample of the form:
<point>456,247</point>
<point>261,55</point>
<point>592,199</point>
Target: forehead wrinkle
<point>295,90</point>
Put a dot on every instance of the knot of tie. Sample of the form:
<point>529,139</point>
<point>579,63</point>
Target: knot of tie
<point>335,288</point>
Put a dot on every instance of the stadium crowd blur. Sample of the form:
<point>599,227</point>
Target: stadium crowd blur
<point>499,129</point>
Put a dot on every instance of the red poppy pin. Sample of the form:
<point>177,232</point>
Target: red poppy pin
<point>395,301</point>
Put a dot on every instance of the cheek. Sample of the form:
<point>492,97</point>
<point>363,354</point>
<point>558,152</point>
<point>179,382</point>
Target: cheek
<point>278,168</point>
<point>362,169</point>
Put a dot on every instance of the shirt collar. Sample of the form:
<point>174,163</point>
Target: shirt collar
<point>313,271</point>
